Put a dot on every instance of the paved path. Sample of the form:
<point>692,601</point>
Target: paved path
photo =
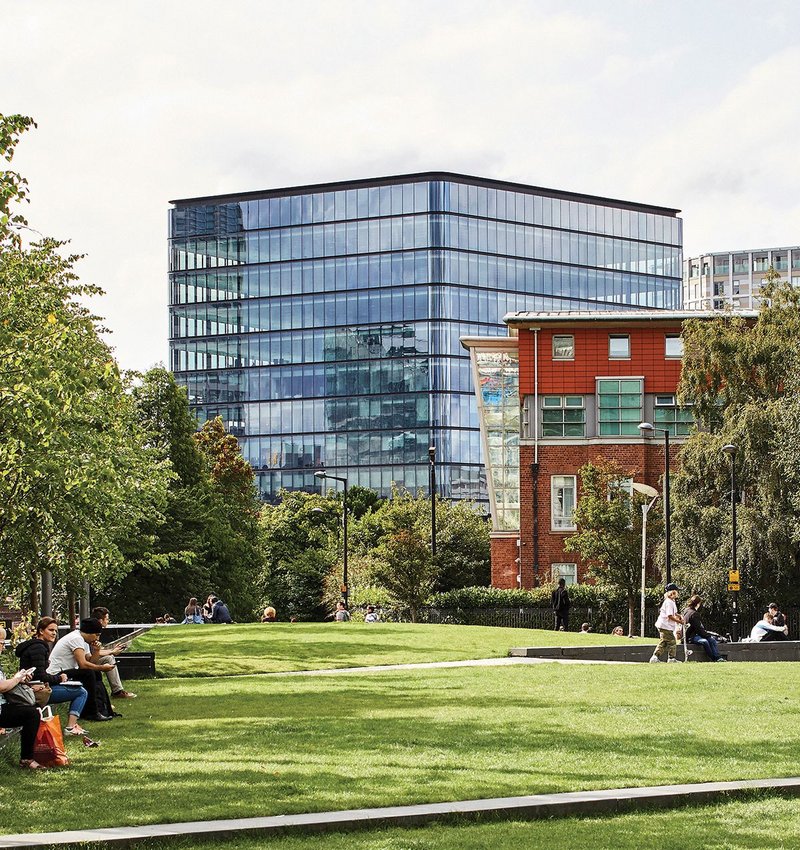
<point>519,808</point>
<point>476,662</point>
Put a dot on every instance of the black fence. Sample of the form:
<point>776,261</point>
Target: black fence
<point>602,618</point>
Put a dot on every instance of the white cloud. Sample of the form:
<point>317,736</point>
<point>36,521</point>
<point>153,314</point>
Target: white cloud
<point>143,102</point>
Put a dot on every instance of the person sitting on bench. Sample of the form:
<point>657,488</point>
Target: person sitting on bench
<point>696,632</point>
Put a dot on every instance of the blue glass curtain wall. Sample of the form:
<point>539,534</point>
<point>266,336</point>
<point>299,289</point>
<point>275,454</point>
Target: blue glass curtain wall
<point>325,327</point>
<point>425,231</point>
<point>422,267</point>
<point>430,196</point>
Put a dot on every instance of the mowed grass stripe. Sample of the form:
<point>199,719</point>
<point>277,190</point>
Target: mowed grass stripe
<point>195,749</point>
<point>284,647</point>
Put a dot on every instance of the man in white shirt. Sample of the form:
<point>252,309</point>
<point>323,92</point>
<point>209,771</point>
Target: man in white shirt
<point>667,624</point>
<point>109,656</point>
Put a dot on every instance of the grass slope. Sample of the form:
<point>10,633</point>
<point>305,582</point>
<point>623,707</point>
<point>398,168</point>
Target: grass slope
<point>282,647</point>
<point>192,749</point>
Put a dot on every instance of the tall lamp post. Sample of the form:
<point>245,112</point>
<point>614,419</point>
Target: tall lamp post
<point>652,494</point>
<point>345,591</point>
<point>733,578</point>
<point>432,487</point>
<point>648,428</point>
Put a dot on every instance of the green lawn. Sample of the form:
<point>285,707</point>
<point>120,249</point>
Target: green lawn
<point>281,647</point>
<point>192,749</point>
<point>768,823</point>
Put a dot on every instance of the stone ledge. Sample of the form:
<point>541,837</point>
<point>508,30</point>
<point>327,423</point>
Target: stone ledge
<point>530,807</point>
<point>784,650</point>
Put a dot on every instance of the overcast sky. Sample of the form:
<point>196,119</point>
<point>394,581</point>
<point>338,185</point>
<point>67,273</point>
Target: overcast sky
<point>690,104</point>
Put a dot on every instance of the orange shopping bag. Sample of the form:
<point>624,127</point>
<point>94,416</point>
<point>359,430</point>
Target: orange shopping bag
<point>48,748</point>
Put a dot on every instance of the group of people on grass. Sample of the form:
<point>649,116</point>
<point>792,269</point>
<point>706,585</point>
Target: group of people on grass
<point>213,610</point>
<point>72,670</point>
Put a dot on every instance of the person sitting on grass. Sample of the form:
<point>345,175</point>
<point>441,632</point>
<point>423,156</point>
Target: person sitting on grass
<point>13,715</point>
<point>73,655</point>
<point>342,615</point>
<point>109,656</point>
<point>269,615</point>
<point>585,628</point>
<point>208,607</point>
<point>35,652</point>
<point>220,613</point>
<point>618,631</point>
<point>370,616</point>
<point>192,613</point>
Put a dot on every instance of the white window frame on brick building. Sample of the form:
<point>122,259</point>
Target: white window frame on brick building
<point>563,347</point>
<point>569,572</point>
<point>619,346</point>
<point>562,505</point>
<point>673,346</point>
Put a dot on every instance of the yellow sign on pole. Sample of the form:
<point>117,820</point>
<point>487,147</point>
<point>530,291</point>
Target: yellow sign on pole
<point>733,585</point>
<point>733,577</point>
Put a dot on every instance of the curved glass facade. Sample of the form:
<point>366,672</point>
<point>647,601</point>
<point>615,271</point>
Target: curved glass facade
<point>323,323</point>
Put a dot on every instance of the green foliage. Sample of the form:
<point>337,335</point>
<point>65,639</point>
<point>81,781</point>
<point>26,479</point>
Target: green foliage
<point>77,475</point>
<point>744,380</point>
<point>208,541</point>
<point>590,595</point>
<point>609,535</point>
<point>300,542</point>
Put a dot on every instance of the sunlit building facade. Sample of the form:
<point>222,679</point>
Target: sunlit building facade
<point>322,323</point>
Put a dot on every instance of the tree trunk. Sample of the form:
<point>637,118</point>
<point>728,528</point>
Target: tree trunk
<point>71,605</point>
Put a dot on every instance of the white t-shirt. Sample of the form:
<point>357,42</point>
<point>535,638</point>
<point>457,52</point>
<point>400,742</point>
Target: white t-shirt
<point>62,656</point>
<point>668,607</point>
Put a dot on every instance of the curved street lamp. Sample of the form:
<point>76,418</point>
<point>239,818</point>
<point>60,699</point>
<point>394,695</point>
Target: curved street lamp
<point>648,428</point>
<point>652,494</point>
<point>322,474</point>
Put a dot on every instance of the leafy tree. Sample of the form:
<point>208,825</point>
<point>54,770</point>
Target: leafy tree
<point>76,473</point>
<point>300,543</point>
<point>208,539</point>
<point>609,535</point>
<point>399,546</point>
<point>743,379</point>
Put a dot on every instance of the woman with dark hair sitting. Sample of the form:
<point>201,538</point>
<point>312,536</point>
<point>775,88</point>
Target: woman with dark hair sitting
<point>35,652</point>
<point>24,716</point>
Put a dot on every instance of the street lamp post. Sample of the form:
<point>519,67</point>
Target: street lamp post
<point>432,487</point>
<point>345,590</point>
<point>730,451</point>
<point>652,494</point>
<point>645,428</point>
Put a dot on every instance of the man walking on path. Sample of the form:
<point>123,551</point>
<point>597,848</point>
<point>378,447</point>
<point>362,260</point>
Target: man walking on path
<point>667,624</point>
<point>560,604</point>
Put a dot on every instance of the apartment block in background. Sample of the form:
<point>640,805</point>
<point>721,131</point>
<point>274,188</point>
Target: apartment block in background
<point>733,279</point>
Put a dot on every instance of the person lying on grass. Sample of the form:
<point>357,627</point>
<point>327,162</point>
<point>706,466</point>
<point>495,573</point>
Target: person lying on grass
<point>35,652</point>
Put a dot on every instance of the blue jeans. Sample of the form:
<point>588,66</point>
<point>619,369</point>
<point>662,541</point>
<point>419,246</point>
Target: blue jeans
<point>708,644</point>
<point>76,697</point>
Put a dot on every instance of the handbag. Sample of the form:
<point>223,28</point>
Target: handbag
<point>42,695</point>
<point>21,694</point>
<point>48,748</point>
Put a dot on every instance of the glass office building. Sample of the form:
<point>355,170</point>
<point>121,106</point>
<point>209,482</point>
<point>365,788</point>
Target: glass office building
<point>322,323</point>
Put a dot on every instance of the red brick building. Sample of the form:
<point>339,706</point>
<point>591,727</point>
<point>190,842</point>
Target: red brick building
<point>561,390</point>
